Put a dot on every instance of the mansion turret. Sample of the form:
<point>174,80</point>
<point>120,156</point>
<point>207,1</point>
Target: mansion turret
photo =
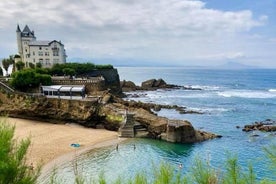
<point>35,51</point>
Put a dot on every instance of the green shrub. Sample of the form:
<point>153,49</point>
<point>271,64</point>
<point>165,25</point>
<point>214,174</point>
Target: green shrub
<point>100,67</point>
<point>28,78</point>
<point>78,68</point>
<point>31,65</point>
<point>19,65</point>
<point>13,167</point>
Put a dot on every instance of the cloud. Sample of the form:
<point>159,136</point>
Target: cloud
<point>222,56</point>
<point>146,29</point>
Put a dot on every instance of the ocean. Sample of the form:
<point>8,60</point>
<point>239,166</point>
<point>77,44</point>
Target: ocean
<point>229,98</point>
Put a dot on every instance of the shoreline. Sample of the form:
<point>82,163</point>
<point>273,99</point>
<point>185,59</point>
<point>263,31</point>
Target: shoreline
<point>47,168</point>
<point>51,143</point>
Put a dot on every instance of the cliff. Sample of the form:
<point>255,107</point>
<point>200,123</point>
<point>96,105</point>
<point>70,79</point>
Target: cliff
<point>105,112</point>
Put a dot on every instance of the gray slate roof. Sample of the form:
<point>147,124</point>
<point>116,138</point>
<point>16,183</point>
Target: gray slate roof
<point>27,29</point>
<point>43,42</point>
<point>40,43</point>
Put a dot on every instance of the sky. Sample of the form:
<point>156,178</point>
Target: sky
<point>149,32</point>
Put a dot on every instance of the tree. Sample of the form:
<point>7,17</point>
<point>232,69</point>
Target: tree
<point>13,167</point>
<point>1,71</point>
<point>38,65</point>
<point>28,78</point>
<point>69,71</point>
<point>6,64</point>
<point>12,62</point>
<point>19,65</point>
<point>31,65</point>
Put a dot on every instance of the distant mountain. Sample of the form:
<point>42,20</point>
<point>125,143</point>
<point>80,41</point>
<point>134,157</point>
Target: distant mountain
<point>235,66</point>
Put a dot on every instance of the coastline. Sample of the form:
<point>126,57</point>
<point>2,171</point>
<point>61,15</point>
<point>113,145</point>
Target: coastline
<point>51,143</point>
<point>68,157</point>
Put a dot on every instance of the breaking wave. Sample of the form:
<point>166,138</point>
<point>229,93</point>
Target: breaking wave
<point>202,87</point>
<point>248,94</point>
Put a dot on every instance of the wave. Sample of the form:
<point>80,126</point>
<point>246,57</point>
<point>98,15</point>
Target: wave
<point>202,87</point>
<point>209,110</point>
<point>247,94</point>
<point>272,90</point>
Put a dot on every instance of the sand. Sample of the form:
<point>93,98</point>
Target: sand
<point>51,143</point>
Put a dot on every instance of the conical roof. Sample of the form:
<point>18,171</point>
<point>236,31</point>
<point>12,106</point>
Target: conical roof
<point>26,29</point>
<point>18,28</point>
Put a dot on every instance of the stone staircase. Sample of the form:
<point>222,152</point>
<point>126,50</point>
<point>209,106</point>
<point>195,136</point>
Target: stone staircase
<point>127,129</point>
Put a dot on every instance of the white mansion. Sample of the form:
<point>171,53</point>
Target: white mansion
<point>35,51</point>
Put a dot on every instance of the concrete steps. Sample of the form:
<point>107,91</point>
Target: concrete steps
<point>127,129</point>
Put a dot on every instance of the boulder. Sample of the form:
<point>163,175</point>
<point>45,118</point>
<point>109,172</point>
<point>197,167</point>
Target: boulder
<point>128,86</point>
<point>160,83</point>
<point>148,84</point>
<point>266,126</point>
<point>153,84</point>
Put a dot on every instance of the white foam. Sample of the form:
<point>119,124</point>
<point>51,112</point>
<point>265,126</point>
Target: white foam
<point>247,94</point>
<point>203,87</point>
<point>272,90</point>
<point>209,110</point>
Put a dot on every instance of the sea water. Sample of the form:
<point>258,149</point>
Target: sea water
<point>228,98</point>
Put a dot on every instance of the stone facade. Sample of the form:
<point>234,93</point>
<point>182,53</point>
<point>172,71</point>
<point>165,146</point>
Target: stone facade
<point>35,51</point>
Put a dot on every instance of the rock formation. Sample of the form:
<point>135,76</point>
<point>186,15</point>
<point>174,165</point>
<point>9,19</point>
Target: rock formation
<point>265,126</point>
<point>151,85</point>
<point>107,111</point>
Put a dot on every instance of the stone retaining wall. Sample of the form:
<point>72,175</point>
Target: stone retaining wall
<point>92,85</point>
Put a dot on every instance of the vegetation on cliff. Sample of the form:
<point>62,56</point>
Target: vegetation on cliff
<point>26,78</point>
<point>29,78</point>
<point>76,68</point>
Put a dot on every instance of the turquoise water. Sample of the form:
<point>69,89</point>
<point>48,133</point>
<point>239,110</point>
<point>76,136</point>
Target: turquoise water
<point>228,99</point>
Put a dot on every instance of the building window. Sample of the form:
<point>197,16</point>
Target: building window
<point>33,53</point>
<point>41,61</point>
<point>56,61</point>
<point>40,48</point>
<point>40,53</point>
<point>55,53</point>
<point>46,53</point>
<point>34,60</point>
<point>48,62</point>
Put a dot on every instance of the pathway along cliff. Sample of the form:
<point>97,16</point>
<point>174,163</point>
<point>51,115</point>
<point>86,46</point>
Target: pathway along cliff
<point>107,111</point>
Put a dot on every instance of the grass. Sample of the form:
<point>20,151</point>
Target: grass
<point>13,167</point>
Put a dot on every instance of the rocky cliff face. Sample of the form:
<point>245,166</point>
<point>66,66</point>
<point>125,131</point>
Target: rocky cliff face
<point>52,110</point>
<point>106,112</point>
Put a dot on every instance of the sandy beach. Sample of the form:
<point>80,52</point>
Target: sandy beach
<point>51,143</point>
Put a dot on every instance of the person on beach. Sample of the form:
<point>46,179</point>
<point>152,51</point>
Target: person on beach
<point>117,147</point>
